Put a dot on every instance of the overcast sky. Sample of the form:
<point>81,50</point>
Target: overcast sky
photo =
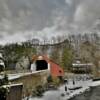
<point>24,19</point>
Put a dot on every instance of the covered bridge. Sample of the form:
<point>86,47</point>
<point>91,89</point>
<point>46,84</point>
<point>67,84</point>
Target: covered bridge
<point>44,63</point>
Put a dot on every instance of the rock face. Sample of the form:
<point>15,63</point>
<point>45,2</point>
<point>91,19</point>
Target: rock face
<point>23,63</point>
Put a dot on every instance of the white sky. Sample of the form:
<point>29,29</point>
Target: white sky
<point>22,19</point>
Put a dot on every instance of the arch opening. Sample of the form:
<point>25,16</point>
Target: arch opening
<point>41,65</point>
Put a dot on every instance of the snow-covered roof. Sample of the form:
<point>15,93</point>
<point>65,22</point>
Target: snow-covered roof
<point>81,64</point>
<point>10,85</point>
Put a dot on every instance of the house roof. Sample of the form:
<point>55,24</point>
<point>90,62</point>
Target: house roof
<point>81,64</point>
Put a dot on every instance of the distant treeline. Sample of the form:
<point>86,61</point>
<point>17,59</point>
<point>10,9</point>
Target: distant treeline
<point>62,49</point>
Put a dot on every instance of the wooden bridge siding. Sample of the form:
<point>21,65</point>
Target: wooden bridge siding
<point>15,93</point>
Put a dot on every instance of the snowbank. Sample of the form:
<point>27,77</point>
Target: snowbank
<point>95,83</point>
<point>57,95</point>
<point>84,88</point>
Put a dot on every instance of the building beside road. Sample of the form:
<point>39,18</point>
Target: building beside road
<point>78,67</point>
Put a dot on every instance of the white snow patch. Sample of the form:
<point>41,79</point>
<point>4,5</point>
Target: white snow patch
<point>56,95</point>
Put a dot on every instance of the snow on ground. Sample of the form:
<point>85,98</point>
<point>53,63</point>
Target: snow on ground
<point>56,95</point>
<point>95,83</point>
<point>18,75</point>
<point>80,81</point>
<point>71,93</point>
<point>61,94</point>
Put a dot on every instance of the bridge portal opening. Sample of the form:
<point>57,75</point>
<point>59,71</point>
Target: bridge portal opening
<point>41,65</point>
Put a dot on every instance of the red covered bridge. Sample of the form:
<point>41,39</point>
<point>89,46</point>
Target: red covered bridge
<point>44,63</point>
